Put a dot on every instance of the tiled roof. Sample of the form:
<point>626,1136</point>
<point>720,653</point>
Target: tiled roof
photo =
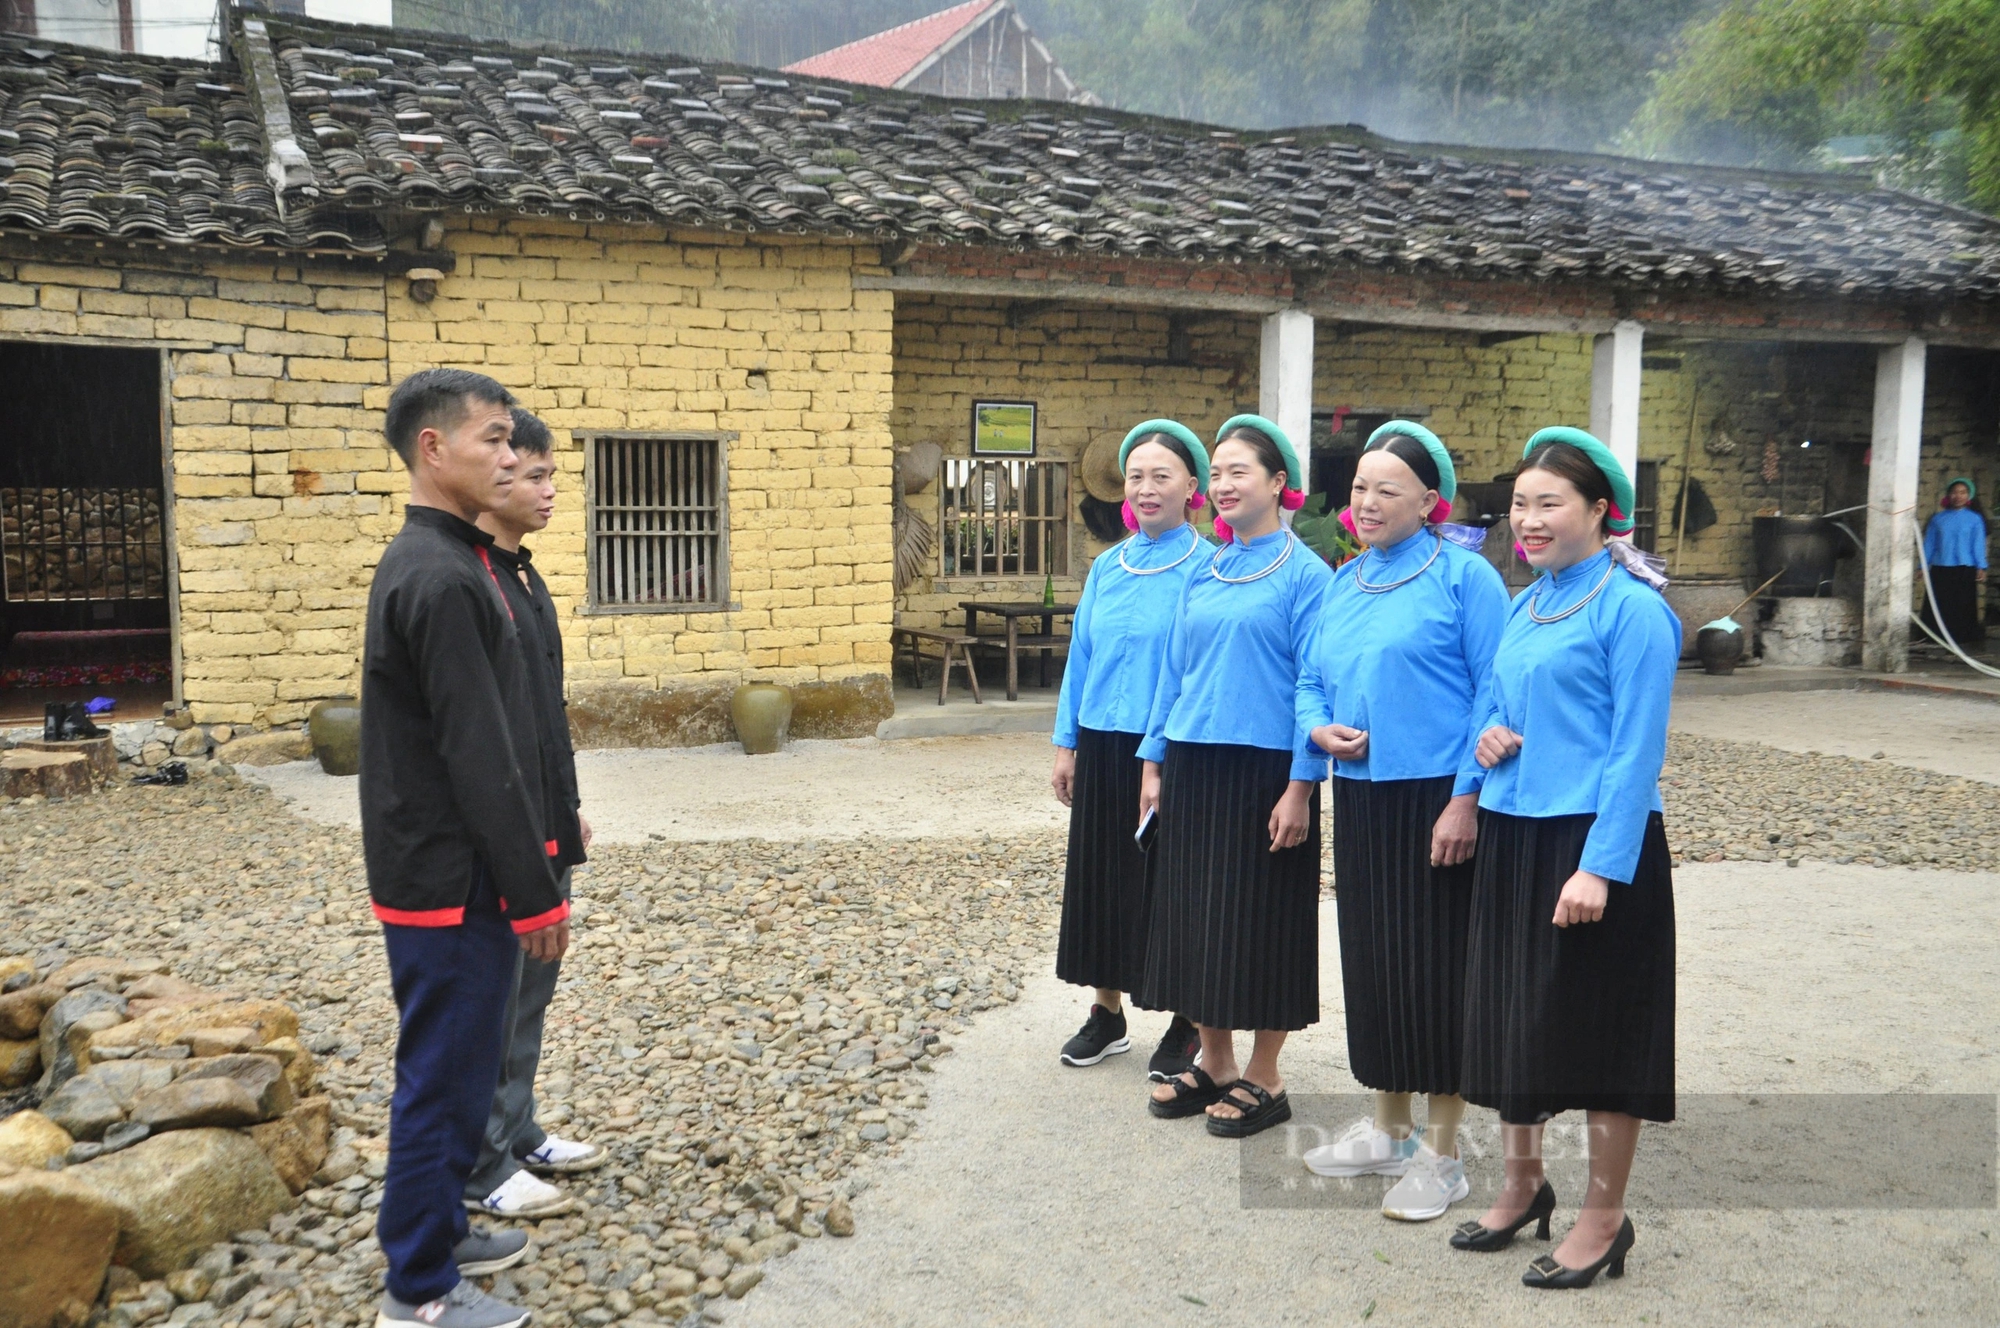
<point>413,121</point>
<point>880,60</point>
<point>103,144</point>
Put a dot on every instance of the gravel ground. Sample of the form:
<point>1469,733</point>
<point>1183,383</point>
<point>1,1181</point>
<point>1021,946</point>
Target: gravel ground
<point>741,1022</point>
<point>746,1022</point>
<point>1938,733</point>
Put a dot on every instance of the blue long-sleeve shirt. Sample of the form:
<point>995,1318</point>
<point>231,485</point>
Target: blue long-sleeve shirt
<point>1409,665</point>
<point>1589,697</point>
<point>1955,537</point>
<point>1231,670</point>
<point>1119,634</point>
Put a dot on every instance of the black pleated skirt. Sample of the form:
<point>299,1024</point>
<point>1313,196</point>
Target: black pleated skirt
<point>1402,935</point>
<point>1956,603</point>
<point>1232,935</point>
<point>1103,937</point>
<point>1577,1018</point>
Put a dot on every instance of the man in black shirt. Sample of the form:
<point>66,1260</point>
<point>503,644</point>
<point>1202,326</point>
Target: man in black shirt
<point>453,817</point>
<point>502,1182</point>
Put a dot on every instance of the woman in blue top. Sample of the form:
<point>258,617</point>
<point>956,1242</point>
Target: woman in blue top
<point>1570,960</point>
<point>1955,548</point>
<point>1118,637</point>
<point>1390,689</point>
<point>1233,918</point>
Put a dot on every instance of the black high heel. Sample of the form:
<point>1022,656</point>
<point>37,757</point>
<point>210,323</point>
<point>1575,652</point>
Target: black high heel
<point>1546,1273</point>
<point>1476,1235</point>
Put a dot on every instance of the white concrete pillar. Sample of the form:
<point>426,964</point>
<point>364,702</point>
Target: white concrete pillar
<point>1285,377</point>
<point>1892,507</point>
<point>1614,393</point>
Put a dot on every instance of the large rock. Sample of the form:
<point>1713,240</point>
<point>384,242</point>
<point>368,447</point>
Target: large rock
<point>179,1193</point>
<point>60,1234</point>
<point>188,1104</point>
<point>21,1011</point>
<point>262,1076</point>
<point>165,1026</point>
<point>125,1080</point>
<point>300,1067</point>
<point>108,969</point>
<point>296,1142</point>
<point>20,1062</point>
<point>13,965</point>
<point>60,1062</point>
<point>157,987</point>
<point>85,1107</point>
<point>273,748</point>
<point>28,1139</point>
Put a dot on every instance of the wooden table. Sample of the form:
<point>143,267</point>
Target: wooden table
<point>1013,611</point>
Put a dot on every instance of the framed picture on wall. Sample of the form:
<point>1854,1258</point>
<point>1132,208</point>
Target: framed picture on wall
<point>1003,428</point>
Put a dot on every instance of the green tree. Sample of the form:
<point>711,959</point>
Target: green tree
<point>1768,81</point>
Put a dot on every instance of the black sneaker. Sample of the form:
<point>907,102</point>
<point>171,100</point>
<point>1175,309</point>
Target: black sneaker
<point>1174,1057</point>
<point>1103,1034</point>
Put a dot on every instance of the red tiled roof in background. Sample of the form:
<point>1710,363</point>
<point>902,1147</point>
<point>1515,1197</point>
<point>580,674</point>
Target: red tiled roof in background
<point>880,60</point>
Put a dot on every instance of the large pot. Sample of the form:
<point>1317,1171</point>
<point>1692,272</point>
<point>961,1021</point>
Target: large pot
<point>1803,547</point>
<point>335,728</point>
<point>1719,648</point>
<point>763,715</point>
<point>1696,600</point>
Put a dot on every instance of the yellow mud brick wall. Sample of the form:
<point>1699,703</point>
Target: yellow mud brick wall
<point>624,328</point>
<point>278,471</point>
<point>1089,369</point>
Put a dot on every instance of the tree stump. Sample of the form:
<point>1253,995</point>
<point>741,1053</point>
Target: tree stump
<point>24,773</point>
<point>103,757</point>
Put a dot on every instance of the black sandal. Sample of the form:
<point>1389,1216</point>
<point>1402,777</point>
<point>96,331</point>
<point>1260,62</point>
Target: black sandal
<point>1188,1099</point>
<point>1257,1117</point>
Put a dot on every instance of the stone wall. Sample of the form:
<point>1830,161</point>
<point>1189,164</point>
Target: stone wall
<point>284,491</point>
<point>279,472</point>
<point>618,328</point>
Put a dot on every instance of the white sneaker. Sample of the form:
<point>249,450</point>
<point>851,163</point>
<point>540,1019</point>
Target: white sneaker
<point>1430,1185</point>
<point>559,1156</point>
<point>1363,1151</point>
<point>522,1195</point>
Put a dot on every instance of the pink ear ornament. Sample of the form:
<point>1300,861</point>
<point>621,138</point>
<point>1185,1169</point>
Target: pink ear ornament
<point>1292,500</point>
<point>1131,517</point>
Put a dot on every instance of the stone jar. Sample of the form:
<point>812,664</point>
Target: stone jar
<point>1719,648</point>
<point>335,728</point>
<point>763,715</point>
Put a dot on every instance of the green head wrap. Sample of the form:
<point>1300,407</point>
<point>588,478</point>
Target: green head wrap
<point>1181,434</point>
<point>1447,486</point>
<point>1971,489</point>
<point>1619,519</point>
<point>1295,475</point>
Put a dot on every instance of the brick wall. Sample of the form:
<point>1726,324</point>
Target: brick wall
<point>616,328</point>
<point>1090,370</point>
<point>279,473</point>
<point>285,492</point>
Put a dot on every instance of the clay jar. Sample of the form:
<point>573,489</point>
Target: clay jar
<point>335,728</point>
<point>1718,649</point>
<point>762,712</point>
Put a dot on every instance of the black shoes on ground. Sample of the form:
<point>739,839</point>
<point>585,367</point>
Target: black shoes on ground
<point>1476,1235</point>
<point>1549,1275</point>
<point>1174,1057</point>
<point>1103,1034</point>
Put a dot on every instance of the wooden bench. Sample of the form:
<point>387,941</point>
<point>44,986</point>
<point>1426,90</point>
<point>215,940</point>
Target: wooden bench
<point>957,649</point>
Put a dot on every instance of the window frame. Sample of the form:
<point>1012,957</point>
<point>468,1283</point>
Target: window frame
<point>1645,487</point>
<point>1062,534</point>
<point>721,439</point>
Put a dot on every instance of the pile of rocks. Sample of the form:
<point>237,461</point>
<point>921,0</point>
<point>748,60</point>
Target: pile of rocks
<point>168,1118</point>
<point>132,747</point>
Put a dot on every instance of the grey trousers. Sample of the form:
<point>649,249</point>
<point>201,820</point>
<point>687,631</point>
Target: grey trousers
<point>511,1132</point>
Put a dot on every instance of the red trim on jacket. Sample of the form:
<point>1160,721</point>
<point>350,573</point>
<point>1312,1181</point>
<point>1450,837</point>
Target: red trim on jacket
<point>551,847</point>
<point>560,913</point>
<point>480,549</point>
<point>425,917</point>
